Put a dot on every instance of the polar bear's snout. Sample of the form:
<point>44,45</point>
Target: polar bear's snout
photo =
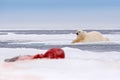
<point>77,33</point>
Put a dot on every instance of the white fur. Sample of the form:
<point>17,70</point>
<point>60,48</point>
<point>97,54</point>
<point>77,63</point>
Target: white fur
<point>93,36</point>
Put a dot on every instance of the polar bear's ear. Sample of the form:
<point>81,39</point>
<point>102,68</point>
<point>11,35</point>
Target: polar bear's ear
<point>84,31</point>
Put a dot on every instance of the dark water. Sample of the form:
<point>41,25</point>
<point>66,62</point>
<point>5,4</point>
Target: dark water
<point>89,47</point>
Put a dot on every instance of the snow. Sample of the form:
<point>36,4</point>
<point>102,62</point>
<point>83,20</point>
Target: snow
<point>77,65</point>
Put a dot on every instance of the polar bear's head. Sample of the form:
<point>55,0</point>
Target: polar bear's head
<point>80,36</point>
<point>79,32</point>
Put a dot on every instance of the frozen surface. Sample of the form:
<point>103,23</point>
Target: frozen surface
<point>77,65</point>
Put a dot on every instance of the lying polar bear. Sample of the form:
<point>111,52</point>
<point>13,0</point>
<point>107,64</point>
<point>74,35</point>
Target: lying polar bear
<point>93,36</point>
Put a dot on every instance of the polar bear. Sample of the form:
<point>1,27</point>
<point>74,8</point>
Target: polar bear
<point>93,36</point>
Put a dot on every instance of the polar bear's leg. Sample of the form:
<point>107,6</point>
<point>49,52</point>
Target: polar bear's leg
<point>75,41</point>
<point>106,39</point>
